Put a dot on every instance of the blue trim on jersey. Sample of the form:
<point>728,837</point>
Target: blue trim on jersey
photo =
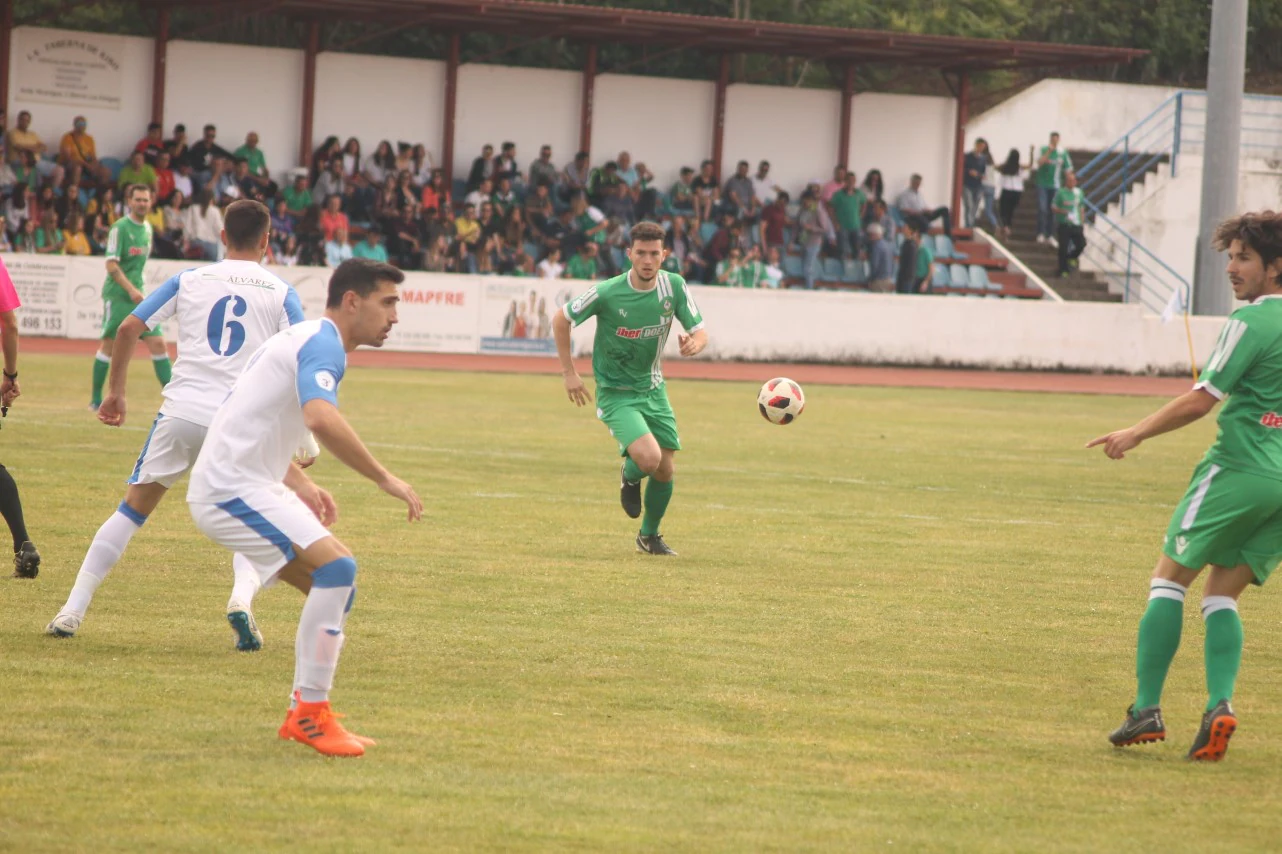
<point>321,363</point>
<point>131,514</point>
<point>293,306</point>
<point>351,600</point>
<point>133,478</point>
<point>153,302</point>
<point>340,572</point>
<point>259,525</point>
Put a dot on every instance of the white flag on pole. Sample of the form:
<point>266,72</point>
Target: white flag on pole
<point>1174,306</point>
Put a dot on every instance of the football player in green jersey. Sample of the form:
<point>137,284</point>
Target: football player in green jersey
<point>634,314</point>
<point>128,248</point>
<point>1231,515</point>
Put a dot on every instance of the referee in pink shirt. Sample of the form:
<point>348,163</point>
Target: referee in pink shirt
<point>26,560</point>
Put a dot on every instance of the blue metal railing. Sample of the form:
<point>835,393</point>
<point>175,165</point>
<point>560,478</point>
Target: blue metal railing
<point>1129,266</point>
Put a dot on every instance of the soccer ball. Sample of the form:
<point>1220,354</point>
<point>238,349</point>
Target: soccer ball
<point>781,401</point>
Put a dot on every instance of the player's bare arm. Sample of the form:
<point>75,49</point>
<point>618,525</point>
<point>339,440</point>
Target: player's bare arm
<point>693,344</point>
<point>1180,412</point>
<point>112,410</point>
<point>319,500</point>
<point>335,435</point>
<point>574,387</point>
<point>9,384</point>
<point>113,270</point>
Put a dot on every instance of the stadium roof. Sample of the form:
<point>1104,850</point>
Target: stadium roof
<point>537,20</point>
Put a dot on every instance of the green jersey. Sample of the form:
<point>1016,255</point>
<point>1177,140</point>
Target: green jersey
<point>925,257</point>
<point>1051,173</point>
<point>632,327</point>
<point>1070,201</point>
<point>129,245</point>
<point>849,208</point>
<point>1246,367</point>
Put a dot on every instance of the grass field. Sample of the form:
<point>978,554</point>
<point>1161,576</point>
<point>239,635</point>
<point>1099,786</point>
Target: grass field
<point>904,623</point>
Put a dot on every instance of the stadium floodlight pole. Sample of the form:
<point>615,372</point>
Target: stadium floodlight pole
<point>1225,79</point>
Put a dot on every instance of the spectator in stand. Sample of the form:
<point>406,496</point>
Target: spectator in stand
<point>20,140</point>
<point>912,203</point>
<point>505,165</point>
<point>282,223</point>
<point>542,171</point>
<point>332,218</point>
<point>838,181</point>
<point>358,192</point>
<point>439,223</point>
<point>174,217</point>
<point>177,146</point>
<point>406,194</point>
<point>764,187</point>
<point>77,147</point>
<point>337,249</point>
<point>404,157</point>
<point>753,274</point>
<point>253,155</point>
<point>881,260</point>
<point>25,239</point>
<point>644,185</point>
<point>226,184</point>
<point>1067,206</point>
<point>480,195</point>
<point>681,197</point>
<point>906,277</point>
<point>324,153</point>
<point>719,246</point>
<point>165,179</point>
<point>539,209</point>
<point>774,219</point>
<point>371,247</point>
<point>583,265</point>
<point>25,170</point>
<point>49,239</point>
<point>7,179</point>
<point>602,183</point>
<point>705,190</point>
<point>551,267</point>
<point>874,186</point>
<point>879,214</point>
<point>467,228</point>
<point>287,256</point>
<point>619,208</point>
<point>436,260</point>
<point>589,222</point>
<point>975,165</point>
<point>740,195</point>
<point>774,267</point>
<point>810,234</point>
<point>152,144</point>
<point>136,171</point>
<point>626,171</point>
<point>203,227</point>
<point>576,176</point>
<point>75,241</point>
<point>387,204</point>
<point>298,198</point>
<point>503,197</point>
<point>730,269</point>
<point>406,239</point>
<point>332,183</point>
<point>462,259</point>
<point>1052,163</point>
<point>6,245</point>
<point>1011,181</point>
<point>73,194</point>
<point>379,165</point>
<point>182,176</point>
<point>848,206</point>
<point>482,168</point>
<point>203,155</point>
<point>103,213</point>
<point>421,166</point>
<point>992,185</point>
<point>491,221</point>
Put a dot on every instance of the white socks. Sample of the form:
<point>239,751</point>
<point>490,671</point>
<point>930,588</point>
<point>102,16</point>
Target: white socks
<point>320,629</point>
<point>107,547</point>
<point>246,584</point>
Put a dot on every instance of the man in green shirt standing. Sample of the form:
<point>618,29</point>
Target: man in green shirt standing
<point>1067,206</point>
<point>634,314</point>
<point>848,210</point>
<point>1231,515</point>
<point>582,265</point>
<point>128,248</point>
<point>1052,163</point>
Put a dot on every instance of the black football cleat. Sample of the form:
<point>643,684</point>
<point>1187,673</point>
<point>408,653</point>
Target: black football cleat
<point>629,493</point>
<point>653,545</point>
<point>26,561</point>
<point>1212,742</point>
<point>1139,727</point>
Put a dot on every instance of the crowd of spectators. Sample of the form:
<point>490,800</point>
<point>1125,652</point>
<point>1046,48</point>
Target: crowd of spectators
<point>393,204</point>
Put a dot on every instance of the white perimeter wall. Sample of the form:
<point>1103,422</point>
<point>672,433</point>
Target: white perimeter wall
<point>795,129</point>
<point>378,97</point>
<point>238,89</point>
<point>903,134</point>
<point>528,106</point>
<point>115,132</point>
<point>624,103</point>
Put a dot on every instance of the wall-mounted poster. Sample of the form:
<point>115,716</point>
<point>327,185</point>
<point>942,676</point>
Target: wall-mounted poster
<point>72,69</point>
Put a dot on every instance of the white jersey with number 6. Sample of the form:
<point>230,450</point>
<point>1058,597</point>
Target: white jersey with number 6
<point>225,311</point>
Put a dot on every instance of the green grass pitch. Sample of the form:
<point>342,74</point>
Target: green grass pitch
<point>903,623</point>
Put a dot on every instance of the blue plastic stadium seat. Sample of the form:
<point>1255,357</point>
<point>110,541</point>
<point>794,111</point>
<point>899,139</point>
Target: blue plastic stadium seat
<point>854,272</point>
<point>978,276</point>
<point>958,276</point>
<point>944,247</point>
<point>707,230</point>
<point>940,278</point>
<point>792,267</point>
<point>114,165</point>
<point>460,190</point>
<point>532,249</point>
<point>832,270</point>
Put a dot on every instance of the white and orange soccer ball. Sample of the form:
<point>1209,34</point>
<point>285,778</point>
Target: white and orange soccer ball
<point>781,401</point>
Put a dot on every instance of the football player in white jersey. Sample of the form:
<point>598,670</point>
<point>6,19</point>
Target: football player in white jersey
<point>247,495</point>
<point>225,312</point>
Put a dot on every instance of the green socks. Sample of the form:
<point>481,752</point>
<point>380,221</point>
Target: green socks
<point>1223,647</point>
<point>1159,639</point>
<point>163,369</point>
<point>632,471</point>
<point>101,365</point>
<point>657,495</point>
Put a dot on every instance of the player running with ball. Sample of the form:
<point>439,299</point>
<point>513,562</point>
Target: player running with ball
<point>634,315</point>
<point>1231,515</point>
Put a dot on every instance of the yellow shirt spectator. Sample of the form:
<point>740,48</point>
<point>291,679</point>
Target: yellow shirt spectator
<point>76,243</point>
<point>77,147</point>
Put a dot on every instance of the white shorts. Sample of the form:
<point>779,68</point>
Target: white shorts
<point>264,525</point>
<point>169,452</point>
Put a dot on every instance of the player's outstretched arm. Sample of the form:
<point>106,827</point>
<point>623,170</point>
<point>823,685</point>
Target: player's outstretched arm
<point>574,387</point>
<point>112,410</point>
<point>337,436</point>
<point>317,499</point>
<point>693,344</point>
<point>9,340</point>
<point>1180,412</point>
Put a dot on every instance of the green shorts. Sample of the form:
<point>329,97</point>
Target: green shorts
<point>1227,518</point>
<point>114,312</point>
<point>633,414</point>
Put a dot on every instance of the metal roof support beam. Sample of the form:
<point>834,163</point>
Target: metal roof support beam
<point>159,56</point>
<point>6,42</point>
<point>959,146</point>
<point>309,93</point>
<point>451,102</point>
<point>719,114</point>
<point>587,99</point>
<point>847,97</point>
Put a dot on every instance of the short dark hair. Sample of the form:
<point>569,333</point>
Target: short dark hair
<point>245,222</point>
<point>742,163</point>
<point>1259,230</point>
<point>210,127</point>
<point>361,276</point>
<point>646,231</point>
<point>133,188</point>
<point>916,224</point>
<point>155,126</point>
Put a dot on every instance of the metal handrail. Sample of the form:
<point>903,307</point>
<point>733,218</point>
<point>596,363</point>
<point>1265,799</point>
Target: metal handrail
<point>1155,289</point>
